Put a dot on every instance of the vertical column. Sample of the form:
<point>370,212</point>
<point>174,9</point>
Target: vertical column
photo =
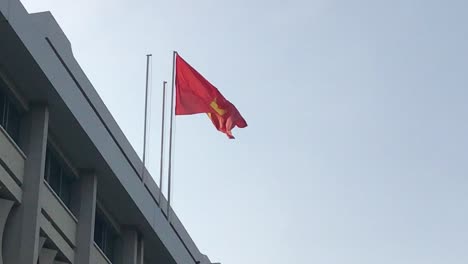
<point>5,208</point>
<point>141,251</point>
<point>30,209</point>
<point>47,256</point>
<point>86,216</point>
<point>129,246</point>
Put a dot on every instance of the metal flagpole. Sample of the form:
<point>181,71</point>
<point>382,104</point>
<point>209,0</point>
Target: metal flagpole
<point>146,118</point>
<point>169,178</point>
<point>161,169</point>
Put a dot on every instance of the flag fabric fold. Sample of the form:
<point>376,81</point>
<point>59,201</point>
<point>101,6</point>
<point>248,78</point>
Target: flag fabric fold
<point>195,95</point>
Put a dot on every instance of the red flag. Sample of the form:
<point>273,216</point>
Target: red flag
<point>196,95</point>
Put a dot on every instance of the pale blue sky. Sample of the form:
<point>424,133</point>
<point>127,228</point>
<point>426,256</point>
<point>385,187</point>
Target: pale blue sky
<point>357,145</point>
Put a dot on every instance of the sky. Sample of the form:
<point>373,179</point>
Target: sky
<point>357,147</point>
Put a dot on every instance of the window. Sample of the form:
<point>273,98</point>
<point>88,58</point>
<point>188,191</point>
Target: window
<point>9,115</point>
<point>104,235</point>
<point>58,176</point>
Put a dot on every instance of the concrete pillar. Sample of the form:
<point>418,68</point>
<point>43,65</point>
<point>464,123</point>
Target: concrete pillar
<point>141,251</point>
<point>47,256</point>
<point>87,213</point>
<point>42,241</point>
<point>5,208</point>
<point>30,209</point>
<point>128,246</point>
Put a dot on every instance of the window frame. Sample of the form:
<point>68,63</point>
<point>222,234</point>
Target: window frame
<point>11,90</point>
<point>111,224</point>
<point>11,100</point>
<point>66,166</point>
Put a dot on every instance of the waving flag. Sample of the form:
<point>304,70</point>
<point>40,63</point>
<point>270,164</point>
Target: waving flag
<point>195,95</point>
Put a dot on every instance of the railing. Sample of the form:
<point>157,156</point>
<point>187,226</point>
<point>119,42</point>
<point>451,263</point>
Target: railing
<point>12,156</point>
<point>59,213</point>
<point>98,256</point>
<point>12,161</point>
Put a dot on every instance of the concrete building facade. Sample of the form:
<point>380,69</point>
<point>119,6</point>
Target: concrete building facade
<point>70,182</point>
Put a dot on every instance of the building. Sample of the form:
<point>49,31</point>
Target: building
<point>70,182</point>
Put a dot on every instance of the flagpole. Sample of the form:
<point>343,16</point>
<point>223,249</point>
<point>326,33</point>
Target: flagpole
<point>161,165</point>
<point>146,118</point>
<point>171,124</point>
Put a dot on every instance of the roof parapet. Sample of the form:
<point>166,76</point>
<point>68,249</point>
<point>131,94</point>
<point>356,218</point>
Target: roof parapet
<point>52,30</point>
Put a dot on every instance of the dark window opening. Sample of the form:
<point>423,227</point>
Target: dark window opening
<point>58,176</point>
<point>104,235</point>
<point>9,115</point>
